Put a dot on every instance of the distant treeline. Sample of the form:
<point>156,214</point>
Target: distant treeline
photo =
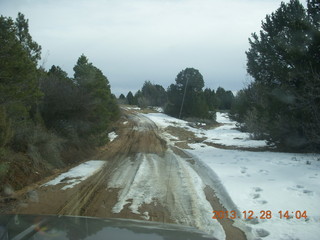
<point>184,99</point>
<point>45,113</point>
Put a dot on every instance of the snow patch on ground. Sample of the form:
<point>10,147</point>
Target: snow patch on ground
<point>130,108</point>
<point>112,136</point>
<point>158,109</point>
<point>260,181</point>
<point>77,174</point>
<point>228,135</point>
<point>223,118</point>
<point>162,120</point>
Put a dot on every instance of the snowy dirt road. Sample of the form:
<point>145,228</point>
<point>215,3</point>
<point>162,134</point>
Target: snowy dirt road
<point>142,176</point>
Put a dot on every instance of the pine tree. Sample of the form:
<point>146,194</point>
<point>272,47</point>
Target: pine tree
<point>153,95</point>
<point>22,32</point>
<point>102,107</point>
<point>61,103</point>
<point>130,98</point>
<point>186,98</point>
<point>18,70</point>
<point>283,100</point>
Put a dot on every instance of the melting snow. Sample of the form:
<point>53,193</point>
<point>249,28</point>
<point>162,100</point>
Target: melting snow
<point>228,135</point>
<point>131,108</point>
<point>163,120</point>
<point>112,136</point>
<point>158,109</point>
<point>152,178</point>
<point>77,174</point>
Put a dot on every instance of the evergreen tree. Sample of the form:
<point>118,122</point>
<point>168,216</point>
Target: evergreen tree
<point>152,95</point>
<point>224,98</point>
<point>174,100</point>
<point>130,98</point>
<point>283,101</point>
<point>102,108</point>
<point>18,71</point>
<point>186,98</point>
<point>211,99</point>
<point>190,79</point>
<point>138,95</point>
<point>25,39</point>
<point>161,96</point>
<point>19,91</point>
<point>62,104</point>
<point>314,12</point>
<point>6,130</point>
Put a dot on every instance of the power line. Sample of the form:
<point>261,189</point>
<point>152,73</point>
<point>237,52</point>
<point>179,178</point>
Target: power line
<point>184,95</point>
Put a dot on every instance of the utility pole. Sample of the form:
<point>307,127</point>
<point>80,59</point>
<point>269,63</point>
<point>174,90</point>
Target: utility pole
<point>184,95</point>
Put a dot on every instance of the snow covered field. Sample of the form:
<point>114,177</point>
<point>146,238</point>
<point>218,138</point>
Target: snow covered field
<point>261,181</point>
<point>77,174</point>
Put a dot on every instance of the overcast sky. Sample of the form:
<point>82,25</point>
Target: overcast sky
<point>136,40</point>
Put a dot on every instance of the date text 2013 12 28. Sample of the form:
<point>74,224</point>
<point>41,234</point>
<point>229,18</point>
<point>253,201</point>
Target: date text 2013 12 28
<point>263,214</point>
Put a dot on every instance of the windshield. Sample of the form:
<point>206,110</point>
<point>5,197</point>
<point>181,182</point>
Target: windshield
<point>196,117</point>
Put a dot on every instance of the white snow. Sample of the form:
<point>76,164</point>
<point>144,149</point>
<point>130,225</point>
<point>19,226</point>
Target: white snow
<point>162,120</point>
<point>260,181</point>
<point>223,118</point>
<point>112,136</point>
<point>131,108</point>
<point>146,215</point>
<point>158,109</point>
<point>77,174</point>
<point>228,135</point>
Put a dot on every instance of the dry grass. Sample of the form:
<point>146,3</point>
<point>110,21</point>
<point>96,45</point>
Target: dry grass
<point>250,149</point>
<point>185,137</point>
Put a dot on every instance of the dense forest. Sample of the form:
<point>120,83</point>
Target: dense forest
<point>282,103</point>
<point>45,116</point>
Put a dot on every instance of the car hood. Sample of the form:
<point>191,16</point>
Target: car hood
<point>73,227</point>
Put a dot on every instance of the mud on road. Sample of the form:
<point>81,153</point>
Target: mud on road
<point>144,177</point>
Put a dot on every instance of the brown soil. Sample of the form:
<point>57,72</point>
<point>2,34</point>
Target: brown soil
<point>227,224</point>
<point>258,149</point>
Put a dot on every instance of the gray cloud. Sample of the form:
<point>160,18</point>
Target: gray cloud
<point>133,41</point>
